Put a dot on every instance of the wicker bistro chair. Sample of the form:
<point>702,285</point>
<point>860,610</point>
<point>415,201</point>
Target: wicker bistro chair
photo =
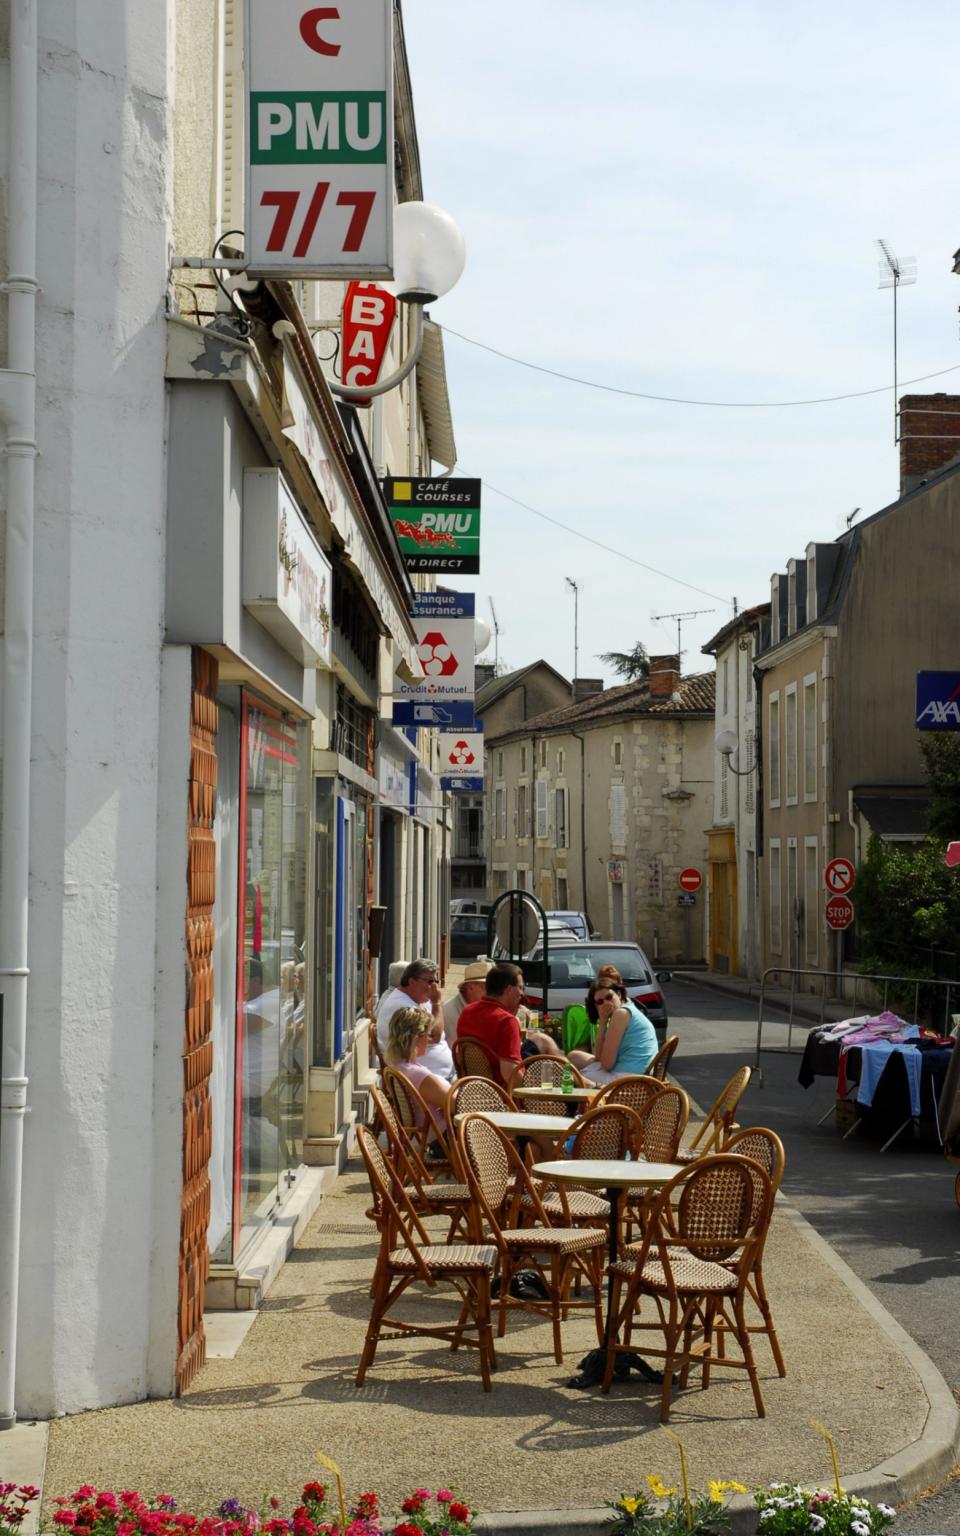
<point>662,1124</point>
<point>406,1255</point>
<point>718,1125</point>
<point>414,1115</point>
<point>471,1096</point>
<point>556,1253</point>
<point>430,1196</point>
<point>766,1148</point>
<point>474,1059</point>
<point>660,1064</point>
<point>635,1091</point>
<point>602,1133</point>
<point>542,1071</point>
<point>695,1262</point>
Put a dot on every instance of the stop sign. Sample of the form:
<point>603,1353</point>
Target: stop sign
<point>690,879</point>
<point>839,912</point>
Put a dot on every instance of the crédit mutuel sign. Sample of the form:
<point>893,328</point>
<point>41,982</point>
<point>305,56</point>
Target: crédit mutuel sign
<point>437,522</point>
<point>319,119</point>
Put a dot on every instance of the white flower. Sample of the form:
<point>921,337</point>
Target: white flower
<point>767,1514</point>
<point>885,1509</point>
<point>859,1529</point>
<point>817,1522</point>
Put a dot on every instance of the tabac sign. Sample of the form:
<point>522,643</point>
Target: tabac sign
<point>437,523</point>
<point>320,166</point>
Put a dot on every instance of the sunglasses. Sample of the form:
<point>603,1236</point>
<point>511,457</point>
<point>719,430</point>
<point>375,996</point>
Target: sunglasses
<point>609,997</point>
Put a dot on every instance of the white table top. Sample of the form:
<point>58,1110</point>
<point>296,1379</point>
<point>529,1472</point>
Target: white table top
<point>516,1123</point>
<point>547,1091</point>
<point>602,1174</point>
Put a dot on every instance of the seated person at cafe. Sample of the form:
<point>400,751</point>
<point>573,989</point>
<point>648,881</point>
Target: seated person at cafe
<point>419,988</point>
<point>407,1042</point>
<point>470,990</point>
<point>626,1041</point>
<point>493,1018</point>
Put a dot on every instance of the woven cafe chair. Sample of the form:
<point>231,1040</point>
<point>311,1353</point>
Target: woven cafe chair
<point>474,1059</point>
<point>471,1096</point>
<point>557,1253</point>
<point>660,1064</point>
<point>766,1148</point>
<point>600,1133</point>
<point>414,1115</point>
<point>430,1196</point>
<point>662,1124</point>
<point>544,1072</point>
<point>718,1125</point>
<point>697,1255</point>
<point>406,1255</point>
<point>634,1090</point>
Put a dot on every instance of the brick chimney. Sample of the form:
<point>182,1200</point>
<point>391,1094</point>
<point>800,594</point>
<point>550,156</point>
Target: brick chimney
<point>586,687</point>
<point>929,436</point>
<point>664,676</point>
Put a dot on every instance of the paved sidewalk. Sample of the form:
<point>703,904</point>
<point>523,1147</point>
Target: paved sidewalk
<point>251,1425</point>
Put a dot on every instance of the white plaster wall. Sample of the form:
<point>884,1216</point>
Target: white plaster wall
<point>88,1274</point>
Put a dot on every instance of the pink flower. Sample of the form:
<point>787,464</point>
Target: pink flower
<point>27,1491</point>
<point>63,1517</point>
<point>444,1496</point>
<point>85,1491</point>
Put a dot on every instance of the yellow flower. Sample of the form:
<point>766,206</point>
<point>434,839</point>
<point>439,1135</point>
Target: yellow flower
<point>657,1487</point>
<point>630,1505</point>
<point>716,1489</point>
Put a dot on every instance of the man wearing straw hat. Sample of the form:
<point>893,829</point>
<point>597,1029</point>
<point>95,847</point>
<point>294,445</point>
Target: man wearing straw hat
<point>470,990</point>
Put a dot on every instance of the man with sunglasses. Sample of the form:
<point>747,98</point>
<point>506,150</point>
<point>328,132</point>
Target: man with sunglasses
<point>419,987</point>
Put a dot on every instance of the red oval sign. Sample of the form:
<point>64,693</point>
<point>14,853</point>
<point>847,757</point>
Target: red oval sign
<point>690,879</point>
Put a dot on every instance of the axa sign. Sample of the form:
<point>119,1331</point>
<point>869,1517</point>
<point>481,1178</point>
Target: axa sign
<point>938,701</point>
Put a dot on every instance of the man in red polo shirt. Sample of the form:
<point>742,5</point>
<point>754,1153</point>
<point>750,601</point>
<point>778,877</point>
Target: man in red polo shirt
<point>493,1018</point>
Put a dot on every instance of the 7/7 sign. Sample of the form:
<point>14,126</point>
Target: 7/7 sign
<point>319,136</point>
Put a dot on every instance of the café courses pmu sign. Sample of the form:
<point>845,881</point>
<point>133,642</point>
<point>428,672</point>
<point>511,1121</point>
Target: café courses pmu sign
<point>445,647</point>
<point>437,522</point>
<point>319,138</point>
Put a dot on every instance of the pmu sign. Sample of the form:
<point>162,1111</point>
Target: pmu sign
<point>938,701</point>
<point>437,522</point>
<point>319,137</point>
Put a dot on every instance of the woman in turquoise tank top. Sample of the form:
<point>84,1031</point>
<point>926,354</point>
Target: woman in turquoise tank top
<point>626,1040</point>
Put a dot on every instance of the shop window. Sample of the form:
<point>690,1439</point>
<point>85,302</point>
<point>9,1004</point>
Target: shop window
<point>271,968</point>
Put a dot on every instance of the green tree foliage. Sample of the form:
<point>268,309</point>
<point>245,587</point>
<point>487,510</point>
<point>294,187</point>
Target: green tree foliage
<point>907,900</point>
<point>630,665</point>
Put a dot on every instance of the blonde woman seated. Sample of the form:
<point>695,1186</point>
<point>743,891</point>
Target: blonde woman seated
<point>408,1039</point>
<point>626,1041</point>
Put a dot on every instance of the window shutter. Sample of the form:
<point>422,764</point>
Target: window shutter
<point>543,817</point>
<point>618,816</point>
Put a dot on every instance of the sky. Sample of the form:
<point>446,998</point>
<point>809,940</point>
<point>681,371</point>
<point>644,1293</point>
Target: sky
<point>682,199</point>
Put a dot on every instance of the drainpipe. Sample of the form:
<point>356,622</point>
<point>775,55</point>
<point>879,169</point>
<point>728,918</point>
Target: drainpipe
<point>583,818</point>
<point>17,416</point>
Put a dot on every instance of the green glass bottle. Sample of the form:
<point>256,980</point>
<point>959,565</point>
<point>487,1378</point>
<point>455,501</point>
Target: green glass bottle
<point>566,1085</point>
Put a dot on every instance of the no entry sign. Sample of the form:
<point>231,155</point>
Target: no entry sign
<point>839,912</point>
<point>690,879</point>
<point>838,877</point>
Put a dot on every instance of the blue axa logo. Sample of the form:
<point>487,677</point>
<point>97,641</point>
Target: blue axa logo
<point>938,701</point>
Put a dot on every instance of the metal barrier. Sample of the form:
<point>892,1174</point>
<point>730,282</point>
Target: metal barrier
<point>883,983</point>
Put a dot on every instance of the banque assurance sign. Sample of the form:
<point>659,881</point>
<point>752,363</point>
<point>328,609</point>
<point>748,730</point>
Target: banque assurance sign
<point>319,120</point>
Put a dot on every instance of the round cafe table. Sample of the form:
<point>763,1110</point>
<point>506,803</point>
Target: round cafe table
<point>515,1122</point>
<point>574,1101</point>
<point>613,1176</point>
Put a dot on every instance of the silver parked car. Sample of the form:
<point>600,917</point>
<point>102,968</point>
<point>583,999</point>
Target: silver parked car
<point>573,967</point>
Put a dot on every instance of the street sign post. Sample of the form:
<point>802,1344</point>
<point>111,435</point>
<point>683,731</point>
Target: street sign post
<point>839,912</point>
<point>839,876</point>
<point>690,879</point>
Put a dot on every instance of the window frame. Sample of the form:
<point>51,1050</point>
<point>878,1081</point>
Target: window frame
<point>791,711</point>
<point>810,689</point>
<point>773,751</point>
<point>775,898</point>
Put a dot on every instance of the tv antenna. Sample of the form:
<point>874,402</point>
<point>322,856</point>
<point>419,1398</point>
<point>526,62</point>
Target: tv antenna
<point>575,588</point>
<point>895,272</point>
<point>694,613</point>
<point>852,516</point>
<point>496,639</point>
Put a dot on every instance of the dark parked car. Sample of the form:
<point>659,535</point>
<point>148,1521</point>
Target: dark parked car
<point>468,936</point>
<point>573,967</point>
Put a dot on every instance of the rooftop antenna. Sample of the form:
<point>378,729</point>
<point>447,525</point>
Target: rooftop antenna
<point>895,272</point>
<point>496,639</point>
<point>694,613</point>
<point>852,516</point>
<point>575,587</point>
